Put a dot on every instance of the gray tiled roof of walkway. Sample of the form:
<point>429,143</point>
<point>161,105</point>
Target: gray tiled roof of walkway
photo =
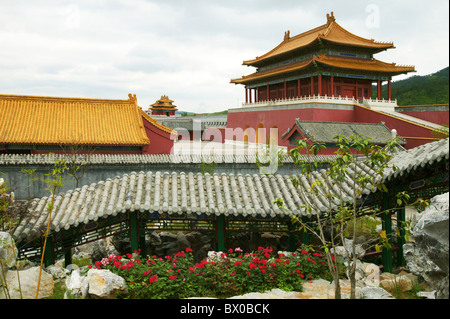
<point>203,193</point>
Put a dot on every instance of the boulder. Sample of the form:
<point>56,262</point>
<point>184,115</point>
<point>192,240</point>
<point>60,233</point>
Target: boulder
<point>28,284</point>
<point>98,251</point>
<point>372,292</point>
<point>77,286</point>
<point>341,251</point>
<point>8,251</point>
<point>404,283</point>
<point>103,284</point>
<point>427,256</point>
<point>57,272</point>
<point>182,241</point>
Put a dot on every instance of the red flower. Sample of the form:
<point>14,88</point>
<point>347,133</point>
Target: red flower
<point>153,279</point>
<point>251,265</point>
<point>188,250</point>
<point>248,272</point>
<point>237,263</point>
<point>172,277</point>
<point>304,252</point>
<point>298,271</point>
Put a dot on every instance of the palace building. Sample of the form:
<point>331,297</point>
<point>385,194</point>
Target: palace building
<point>327,60</point>
<point>41,124</point>
<point>163,106</point>
<point>323,75</point>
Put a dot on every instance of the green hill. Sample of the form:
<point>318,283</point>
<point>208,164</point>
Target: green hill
<point>420,90</point>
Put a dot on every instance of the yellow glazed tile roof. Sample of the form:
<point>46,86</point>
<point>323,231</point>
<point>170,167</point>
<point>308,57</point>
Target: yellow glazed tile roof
<point>372,65</point>
<point>362,64</point>
<point>60,120</point>
<point>329,32</point>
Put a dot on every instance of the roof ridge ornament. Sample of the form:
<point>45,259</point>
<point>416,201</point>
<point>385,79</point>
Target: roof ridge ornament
<point>330,18</point>
<point>132,98</point>
<point>287,35</point>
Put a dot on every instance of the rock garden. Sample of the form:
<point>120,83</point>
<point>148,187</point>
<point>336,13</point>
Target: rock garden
<point>174,269</point>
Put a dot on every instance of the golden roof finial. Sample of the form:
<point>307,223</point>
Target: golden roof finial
<point>330,18</point>
<point>132,98</point>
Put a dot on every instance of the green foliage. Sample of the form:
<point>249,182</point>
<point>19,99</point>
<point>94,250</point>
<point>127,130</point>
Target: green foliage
<point>421,90</point>
<point>222,276</point>
<point>441,133</point>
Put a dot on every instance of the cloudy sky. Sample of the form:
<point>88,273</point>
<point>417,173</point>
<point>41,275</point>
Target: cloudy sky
<point>190,49</point>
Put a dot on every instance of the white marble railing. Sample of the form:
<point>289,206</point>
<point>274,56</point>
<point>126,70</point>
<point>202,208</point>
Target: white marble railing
<point>304,99</point>
<point>324,98</point>
<point>379,103</point>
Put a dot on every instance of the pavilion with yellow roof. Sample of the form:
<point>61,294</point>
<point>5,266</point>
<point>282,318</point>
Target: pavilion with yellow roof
<point>163,106</point>
<point>327,60</point>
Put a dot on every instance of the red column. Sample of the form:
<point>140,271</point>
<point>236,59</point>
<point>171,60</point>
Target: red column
<point>257,94</point>
<point>299,88</point>
<point>319,84</point>
<point>250,95</point>
<point>268,93</point>
<point>285,90</point>
<point>389,90</point>
<point>246,95</point>
<point>312,86</point>
<point>379,90</point>
<point>332,85</point>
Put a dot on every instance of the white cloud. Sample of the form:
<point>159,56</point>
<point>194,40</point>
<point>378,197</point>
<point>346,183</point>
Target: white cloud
<point>188,49</point>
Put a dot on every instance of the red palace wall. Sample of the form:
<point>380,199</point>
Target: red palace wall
<point>284,119</point>
<point>414,134</point>
<point>438,117</point>
<point>160,141</point>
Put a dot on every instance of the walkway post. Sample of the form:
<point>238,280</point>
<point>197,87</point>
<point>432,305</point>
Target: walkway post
<point>401,217</point>
<point>305,234</point>
<point>48,254</point>
<point>220,228</point>
<point>387,227</point>
<point>134,234</point>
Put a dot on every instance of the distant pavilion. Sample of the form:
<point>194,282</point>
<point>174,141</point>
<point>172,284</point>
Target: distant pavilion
<point>163,106</point>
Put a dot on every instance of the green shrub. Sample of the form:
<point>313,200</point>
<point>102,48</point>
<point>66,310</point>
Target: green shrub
<point>221,276</point>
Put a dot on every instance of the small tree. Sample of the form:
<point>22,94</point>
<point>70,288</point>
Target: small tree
<point>359,166</point>
<point>54,180</point>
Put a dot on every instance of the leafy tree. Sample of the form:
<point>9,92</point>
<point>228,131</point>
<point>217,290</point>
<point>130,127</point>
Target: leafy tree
<point>342,210</point>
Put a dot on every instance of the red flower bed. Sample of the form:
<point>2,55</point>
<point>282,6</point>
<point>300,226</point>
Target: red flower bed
<point>222,275</point>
